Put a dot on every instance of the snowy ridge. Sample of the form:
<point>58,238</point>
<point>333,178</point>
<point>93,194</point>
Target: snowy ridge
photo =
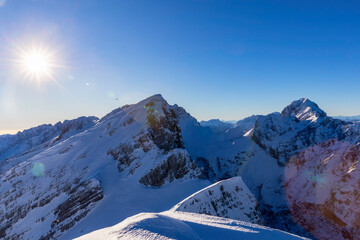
<point>228,198</point>
<point>185,226</point>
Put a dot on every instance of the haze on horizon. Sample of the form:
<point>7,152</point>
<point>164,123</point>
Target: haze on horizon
<point>217,59</point>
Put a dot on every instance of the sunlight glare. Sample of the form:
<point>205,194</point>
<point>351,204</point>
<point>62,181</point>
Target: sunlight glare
<point>37,63</point>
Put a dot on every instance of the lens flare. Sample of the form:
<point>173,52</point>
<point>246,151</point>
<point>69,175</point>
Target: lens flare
<point>38,169</point>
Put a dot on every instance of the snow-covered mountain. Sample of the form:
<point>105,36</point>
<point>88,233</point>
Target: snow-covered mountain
<point>147,157</point>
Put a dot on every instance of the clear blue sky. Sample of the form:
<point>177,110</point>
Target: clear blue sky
<point>217,59</point>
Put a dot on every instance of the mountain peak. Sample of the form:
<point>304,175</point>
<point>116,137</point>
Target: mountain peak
<point>154,98</point>
<point>304,110</point>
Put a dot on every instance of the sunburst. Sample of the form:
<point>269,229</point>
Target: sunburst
<point>37,63</point>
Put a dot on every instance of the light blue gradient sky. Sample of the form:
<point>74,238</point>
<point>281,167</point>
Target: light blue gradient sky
<point>217,59</point>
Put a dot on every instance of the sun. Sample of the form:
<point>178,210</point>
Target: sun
<point>37,64</point>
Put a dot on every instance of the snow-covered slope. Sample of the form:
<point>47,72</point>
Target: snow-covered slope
<point>228,198</point>
<point>185,226</point>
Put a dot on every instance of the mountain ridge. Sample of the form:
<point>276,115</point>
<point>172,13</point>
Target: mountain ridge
<point>150,149</point>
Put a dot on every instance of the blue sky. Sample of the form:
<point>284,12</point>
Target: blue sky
<point>217,59</point>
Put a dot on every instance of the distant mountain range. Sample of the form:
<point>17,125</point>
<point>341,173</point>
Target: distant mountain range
<point>348,118</point>
<point>299,173</point>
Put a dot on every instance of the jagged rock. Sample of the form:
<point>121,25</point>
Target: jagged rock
<point>176,166</point>
<point>164,129</point>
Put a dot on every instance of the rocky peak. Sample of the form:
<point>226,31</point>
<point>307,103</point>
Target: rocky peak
<point>304,110</point>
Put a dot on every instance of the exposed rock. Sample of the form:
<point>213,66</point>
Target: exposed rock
<point>177,165</point>
<point>164,129</point>
<point>123,154</point>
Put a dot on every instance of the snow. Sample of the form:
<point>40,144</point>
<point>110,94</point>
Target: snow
<point>185,226</point>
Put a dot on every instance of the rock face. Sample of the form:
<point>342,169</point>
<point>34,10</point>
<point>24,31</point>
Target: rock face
<point>228,198</point>
<point>322,188</point>
<point>177,165</point>
<point>163,128</point>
